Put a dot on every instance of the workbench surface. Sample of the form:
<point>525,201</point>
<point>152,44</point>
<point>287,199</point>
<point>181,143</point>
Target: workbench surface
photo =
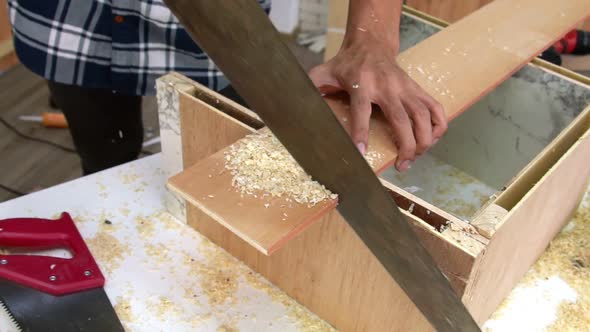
<point>163,276</point>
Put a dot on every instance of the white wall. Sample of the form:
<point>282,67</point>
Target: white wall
<point>284,14</point>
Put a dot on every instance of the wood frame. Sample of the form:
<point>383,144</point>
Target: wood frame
<point>329,270</point>
<point>310,267</point>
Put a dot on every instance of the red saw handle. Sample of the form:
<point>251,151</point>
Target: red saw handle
<point>53,275</point>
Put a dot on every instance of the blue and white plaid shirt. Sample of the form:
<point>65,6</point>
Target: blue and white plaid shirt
<point>122,45</point>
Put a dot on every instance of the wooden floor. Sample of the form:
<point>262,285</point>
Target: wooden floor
<point>26,165</point>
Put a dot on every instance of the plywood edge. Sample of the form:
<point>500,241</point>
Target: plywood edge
<point>533,172</point>
<point>424,17</point>
<point>488,219</point>
<point>552,169</point>
<point>191,98</point>
<point>453,229</point>
<point>217,218</point>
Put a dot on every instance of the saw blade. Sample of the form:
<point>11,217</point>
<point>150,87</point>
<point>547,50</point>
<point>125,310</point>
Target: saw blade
<point>7,321</point>
<point>33,310</point>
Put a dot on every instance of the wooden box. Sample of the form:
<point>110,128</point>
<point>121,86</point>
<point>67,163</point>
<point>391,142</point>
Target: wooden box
<point>485,202</point>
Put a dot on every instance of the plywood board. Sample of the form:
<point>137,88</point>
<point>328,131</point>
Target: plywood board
<point>457,66</point>
<point>527,229</point>
<point>330,270</point>
<point>207,185</point>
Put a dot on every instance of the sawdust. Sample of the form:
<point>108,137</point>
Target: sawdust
<point>129,178</point>
<point>461,236</point>
<point>107,251</point>
<point>145,227</point>
<point>164,308</point>
<point>157,252</point>
<point>125,211</point>
<point>216,274</point>
<point>228,327</point>
<point>260,163</point>
<point>124,311</point>
<point>373,157</point>
<point>567,257</point>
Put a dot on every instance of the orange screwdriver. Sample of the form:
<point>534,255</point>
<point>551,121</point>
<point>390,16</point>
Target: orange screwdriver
<point>47,119</point>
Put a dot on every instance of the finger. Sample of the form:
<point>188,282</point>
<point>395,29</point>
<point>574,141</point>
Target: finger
<point>421,124</point>
<point>323,79</point>
<point>402,133</point>
<point>360,108</point>
<point>438,117</point>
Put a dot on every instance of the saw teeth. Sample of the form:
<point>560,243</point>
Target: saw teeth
<point>11,316</point>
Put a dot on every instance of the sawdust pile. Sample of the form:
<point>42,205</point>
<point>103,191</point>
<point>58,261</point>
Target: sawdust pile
<point>568,257</point>
<point>108,251</point>
<point>260,163</point>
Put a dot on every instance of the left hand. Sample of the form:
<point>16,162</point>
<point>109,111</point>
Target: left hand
<point>368,71</point>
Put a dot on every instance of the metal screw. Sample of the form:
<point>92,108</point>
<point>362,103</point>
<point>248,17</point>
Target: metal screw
<point>3,262</point>
<point>87,273</point>
<point>52,278</point>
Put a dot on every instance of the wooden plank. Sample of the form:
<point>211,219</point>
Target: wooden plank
<point>465,61</point>
<point>527,229</point>
<point>208,185</point>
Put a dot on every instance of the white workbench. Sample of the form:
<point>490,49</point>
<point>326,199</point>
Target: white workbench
<point>163,276</point>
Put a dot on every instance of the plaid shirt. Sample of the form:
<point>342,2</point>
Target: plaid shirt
<point>122,45</point>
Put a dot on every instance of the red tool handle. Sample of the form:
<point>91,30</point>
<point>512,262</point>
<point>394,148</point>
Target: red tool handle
<point>53,275</point>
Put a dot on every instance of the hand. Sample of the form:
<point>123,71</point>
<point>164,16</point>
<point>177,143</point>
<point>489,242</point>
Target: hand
<point>369,73</point>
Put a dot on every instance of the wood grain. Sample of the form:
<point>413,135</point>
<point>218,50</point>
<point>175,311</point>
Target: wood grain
<point>206,130</point>
<point>331,271</point>
<point>457,66</point>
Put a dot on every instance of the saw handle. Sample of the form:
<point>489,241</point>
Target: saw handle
<point>53,275</point>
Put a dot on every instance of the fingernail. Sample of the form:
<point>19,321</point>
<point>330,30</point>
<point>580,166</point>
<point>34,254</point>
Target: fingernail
<point>435,141</point>
<point>404,165</point>
<point>362,148</point>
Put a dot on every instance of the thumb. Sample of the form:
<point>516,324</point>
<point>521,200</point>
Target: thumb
<point>324,80</point>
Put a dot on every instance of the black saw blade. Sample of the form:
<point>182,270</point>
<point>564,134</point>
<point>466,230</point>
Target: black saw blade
<point>87,311</point>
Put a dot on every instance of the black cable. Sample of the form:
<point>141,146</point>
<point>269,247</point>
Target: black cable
<point>36,139</point>
<point>12,191</point>
<point>40,140</point>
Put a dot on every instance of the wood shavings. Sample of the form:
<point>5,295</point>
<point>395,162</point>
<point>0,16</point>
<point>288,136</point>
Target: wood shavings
<point>260,163</point>
<point>145,227</point>
<point>157,252</point>
<point>107,250</point>
<point>460,234</point>
<point>373,157</point>
<point>124,311</point>
<point>227,328</point>
<point>568,257</point>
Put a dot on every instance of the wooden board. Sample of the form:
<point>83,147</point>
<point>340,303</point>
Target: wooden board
<point>528,228</point>
<point>331,272</point>
<point>457,66</point>
<point>209,185</point>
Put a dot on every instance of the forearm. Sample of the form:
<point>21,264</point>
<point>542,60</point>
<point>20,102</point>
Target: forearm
<point>373,20</point>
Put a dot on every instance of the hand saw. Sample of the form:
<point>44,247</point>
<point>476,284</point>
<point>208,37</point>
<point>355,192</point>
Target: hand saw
<point>45,293</point>
<point>242,41</point>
